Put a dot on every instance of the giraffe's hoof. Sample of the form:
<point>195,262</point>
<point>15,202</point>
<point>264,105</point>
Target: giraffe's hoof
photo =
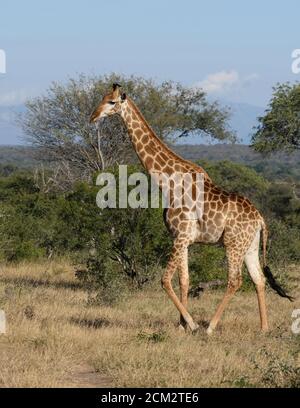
<point>195,328</point>
<point>209,331</point>
<point>265,329</point>
<point>181,328</point>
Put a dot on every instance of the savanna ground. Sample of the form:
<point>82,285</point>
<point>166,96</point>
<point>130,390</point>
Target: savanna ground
<point>56,338</point>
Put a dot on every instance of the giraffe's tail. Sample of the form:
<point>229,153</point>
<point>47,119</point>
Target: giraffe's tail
<point>267,271</point>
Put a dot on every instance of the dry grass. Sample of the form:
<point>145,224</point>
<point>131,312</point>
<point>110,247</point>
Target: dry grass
<point>56,339</point>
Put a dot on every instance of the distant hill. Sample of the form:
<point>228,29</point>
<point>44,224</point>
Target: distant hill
<point>278,166</point>
<point>18,156</point>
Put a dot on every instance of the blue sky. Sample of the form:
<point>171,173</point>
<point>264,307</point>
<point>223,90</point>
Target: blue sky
<point>235,51</point>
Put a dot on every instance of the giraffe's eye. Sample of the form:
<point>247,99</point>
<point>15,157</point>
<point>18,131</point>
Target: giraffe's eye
<point>111,102</point>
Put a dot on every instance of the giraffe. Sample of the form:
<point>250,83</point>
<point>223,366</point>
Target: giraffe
<point>226,217</point>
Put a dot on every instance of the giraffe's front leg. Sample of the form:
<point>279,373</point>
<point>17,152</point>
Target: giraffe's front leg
<point>175,261</point>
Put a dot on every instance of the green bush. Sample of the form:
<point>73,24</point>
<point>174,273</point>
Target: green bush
<point>284,243</point>
<point>206,262</point>
<point>103,280</point>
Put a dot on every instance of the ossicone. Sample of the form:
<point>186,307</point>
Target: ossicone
<point>116,85</point>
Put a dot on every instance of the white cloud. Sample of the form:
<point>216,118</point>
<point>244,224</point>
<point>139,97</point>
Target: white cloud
<point>223,82</point>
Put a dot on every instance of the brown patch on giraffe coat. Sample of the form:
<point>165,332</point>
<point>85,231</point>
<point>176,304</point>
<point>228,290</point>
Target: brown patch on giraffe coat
<point>139,133</point>
<point>149,162</point>
<point>144,138</point>
<point>247,209</point>
<point>168,170</point>
<point>211,214</point>
<point>171,162</point>
<point>142,154</point>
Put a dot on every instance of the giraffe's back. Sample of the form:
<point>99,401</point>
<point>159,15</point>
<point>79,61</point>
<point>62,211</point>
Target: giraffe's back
<point>222,212</point>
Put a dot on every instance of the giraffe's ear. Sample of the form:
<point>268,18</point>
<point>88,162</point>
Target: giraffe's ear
<point>123,97</point>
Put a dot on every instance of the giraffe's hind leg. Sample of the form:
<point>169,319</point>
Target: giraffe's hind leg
<point>183,283</point>
<point>235,263</point>
<point>254,268</point>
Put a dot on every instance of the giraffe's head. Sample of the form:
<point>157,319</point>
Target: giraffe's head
<point>110,104</point>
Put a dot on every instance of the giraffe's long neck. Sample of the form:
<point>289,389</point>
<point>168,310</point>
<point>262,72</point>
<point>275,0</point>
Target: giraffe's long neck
<point>154,155</point>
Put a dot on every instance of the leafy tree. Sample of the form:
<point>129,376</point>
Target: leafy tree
<point>58,122</point>
<point>279,128</point>
<point>283,204</point>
